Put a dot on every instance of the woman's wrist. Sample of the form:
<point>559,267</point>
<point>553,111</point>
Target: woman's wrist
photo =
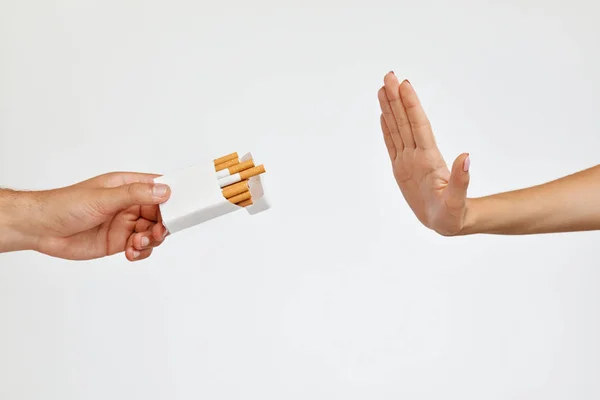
<point>492,215</point>
<point>20,219</point>
<point>471,218</point>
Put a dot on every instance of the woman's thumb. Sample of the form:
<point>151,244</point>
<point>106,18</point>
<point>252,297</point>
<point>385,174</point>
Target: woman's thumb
<point>459,181</point>
<point>118,198</point>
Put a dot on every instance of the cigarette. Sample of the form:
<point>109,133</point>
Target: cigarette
<point>249,173</point>
<point>240,176</point>
<point>241,197</point>
<point>235,189</point>
<point>245,203</point>
<point>226,158</point>
<point>234,169</point>
<point>226,164</point>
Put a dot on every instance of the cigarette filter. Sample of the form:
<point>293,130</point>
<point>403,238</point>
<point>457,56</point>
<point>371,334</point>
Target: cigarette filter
<point>246,174</point>
<point>226,164</point>
<point>234,169</point>
<point>235,189</point>
<point>223,159</point>
<point>240,197</point>
<point>245,203</point>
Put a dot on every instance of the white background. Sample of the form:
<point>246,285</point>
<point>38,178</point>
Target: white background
<point>337,292</point>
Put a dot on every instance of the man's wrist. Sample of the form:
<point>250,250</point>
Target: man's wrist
<point>19,218</point>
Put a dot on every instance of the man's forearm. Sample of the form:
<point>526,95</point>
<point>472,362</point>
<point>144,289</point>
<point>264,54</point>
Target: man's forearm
<point>18,214</point>
<point>568,204</point>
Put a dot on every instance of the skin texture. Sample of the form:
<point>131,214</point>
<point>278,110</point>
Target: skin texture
<point>438,195</point>
<point>109,214</point>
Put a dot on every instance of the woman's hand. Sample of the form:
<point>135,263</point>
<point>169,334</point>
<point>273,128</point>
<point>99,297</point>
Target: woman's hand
<point>437,196</point>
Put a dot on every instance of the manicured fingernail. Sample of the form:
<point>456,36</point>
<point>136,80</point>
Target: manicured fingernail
<point>145,241</point>
<point>159,190</point>
<point>467,164</point>
<point>136,254</point>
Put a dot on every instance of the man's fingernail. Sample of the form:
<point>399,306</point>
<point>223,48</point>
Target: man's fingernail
<point>467,164</point>
<point>392,72</point>
<point>165,233</point>
<point>159,190</point>
<point>136,254</point>
<point>145,241</point>
<point>407,81</point>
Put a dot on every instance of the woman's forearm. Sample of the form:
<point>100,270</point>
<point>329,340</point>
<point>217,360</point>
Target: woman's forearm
<point>19,214</point>
<point>571,203</point>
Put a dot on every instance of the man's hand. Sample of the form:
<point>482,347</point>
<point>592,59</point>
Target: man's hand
<point>102,216</point>
<point>437,196</point>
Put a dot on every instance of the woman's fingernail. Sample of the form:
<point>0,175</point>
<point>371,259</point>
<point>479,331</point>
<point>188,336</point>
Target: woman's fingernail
<point>145,241</point>
<point>392,72</point>
<point>407,81</point>
<point>467,164</point>
<point>136,254</point>
<point>159,190</point>
<point>165,233</point>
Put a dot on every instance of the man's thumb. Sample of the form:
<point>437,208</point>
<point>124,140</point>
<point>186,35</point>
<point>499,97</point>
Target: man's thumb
<point>118,198</point>
<point>459,181</point>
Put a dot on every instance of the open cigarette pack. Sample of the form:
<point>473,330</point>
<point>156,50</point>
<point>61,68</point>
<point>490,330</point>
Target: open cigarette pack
<point>211,189</point>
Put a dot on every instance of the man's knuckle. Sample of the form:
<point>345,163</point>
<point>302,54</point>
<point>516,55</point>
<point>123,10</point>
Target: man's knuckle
<point>130,190</point>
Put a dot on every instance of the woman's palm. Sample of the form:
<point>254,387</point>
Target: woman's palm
<point>436,196</point>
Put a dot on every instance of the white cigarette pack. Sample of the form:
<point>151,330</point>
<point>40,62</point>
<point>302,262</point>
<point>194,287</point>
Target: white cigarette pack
<point>196,196</point>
